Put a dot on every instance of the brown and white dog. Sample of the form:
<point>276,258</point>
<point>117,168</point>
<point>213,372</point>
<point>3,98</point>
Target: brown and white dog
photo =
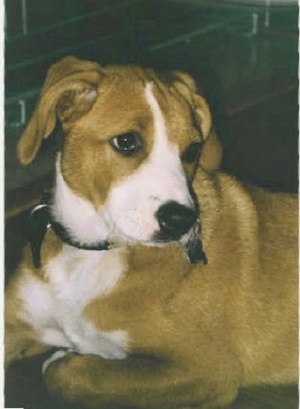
<point>116,286</point>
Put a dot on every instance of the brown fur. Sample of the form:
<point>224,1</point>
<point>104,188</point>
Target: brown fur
<point>197,332</point>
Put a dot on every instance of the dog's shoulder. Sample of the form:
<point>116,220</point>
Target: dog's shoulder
<point>279,207</point>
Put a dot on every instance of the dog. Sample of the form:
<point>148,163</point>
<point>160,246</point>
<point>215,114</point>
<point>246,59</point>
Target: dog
<point>159,281</point>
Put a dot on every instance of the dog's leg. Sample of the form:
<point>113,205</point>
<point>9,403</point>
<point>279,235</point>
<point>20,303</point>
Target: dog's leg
<point>137,383</point>
<point>20,342</point>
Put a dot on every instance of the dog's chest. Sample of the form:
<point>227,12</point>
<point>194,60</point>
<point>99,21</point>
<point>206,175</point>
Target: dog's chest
<point>55,309</point>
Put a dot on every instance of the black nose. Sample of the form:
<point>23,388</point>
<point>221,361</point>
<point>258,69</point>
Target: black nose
<point>174,220</point>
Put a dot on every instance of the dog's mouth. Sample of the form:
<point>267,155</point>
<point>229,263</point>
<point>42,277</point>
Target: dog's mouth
<point>179,223</point>
<point>190,241</point>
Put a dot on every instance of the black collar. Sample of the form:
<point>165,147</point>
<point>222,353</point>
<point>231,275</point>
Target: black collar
<point>41,219</point>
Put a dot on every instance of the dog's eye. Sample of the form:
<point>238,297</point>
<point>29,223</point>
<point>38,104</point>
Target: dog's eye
<point>127,144</point>
<point>192,152</point>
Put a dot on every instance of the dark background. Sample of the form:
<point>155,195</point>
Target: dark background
<point>243,54</point>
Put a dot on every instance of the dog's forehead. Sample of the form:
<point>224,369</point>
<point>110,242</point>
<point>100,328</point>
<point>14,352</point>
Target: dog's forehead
<point>126,105</point>
<point>125,96</point>
<point>137,103</point>
<point>176,111</point>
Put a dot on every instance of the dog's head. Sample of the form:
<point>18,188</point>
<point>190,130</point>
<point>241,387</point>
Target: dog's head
<point>133,141</point>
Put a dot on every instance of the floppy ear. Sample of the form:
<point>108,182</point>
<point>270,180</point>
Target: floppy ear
<point>69,91</point>
<point>211,153</point>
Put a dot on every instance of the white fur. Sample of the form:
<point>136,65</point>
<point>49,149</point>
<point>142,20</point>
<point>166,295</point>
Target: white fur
<point>55,308</point>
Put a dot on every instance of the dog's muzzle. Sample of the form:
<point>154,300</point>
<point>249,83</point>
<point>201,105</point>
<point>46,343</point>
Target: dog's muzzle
<point>175,220</point>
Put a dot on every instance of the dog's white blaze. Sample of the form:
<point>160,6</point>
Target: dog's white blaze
<point>55,308</point>
<point>161,143</point>
<point>164,161</point>
<point>133,202</point>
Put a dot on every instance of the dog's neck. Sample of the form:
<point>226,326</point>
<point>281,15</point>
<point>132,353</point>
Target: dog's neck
<point>41,220</point>
<point>79,217</point>
<point>74,220</point>
<point>77,223</point>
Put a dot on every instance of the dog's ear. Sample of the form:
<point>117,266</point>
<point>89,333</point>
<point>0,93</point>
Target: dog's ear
<point>211,154</point>
<point>69,91</point>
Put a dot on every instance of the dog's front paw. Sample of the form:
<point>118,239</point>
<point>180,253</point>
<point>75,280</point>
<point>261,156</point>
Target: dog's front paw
<point>61,353</point>
<point>65,376</point>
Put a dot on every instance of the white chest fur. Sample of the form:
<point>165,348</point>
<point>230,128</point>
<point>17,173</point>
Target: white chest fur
<point>55,308</point>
